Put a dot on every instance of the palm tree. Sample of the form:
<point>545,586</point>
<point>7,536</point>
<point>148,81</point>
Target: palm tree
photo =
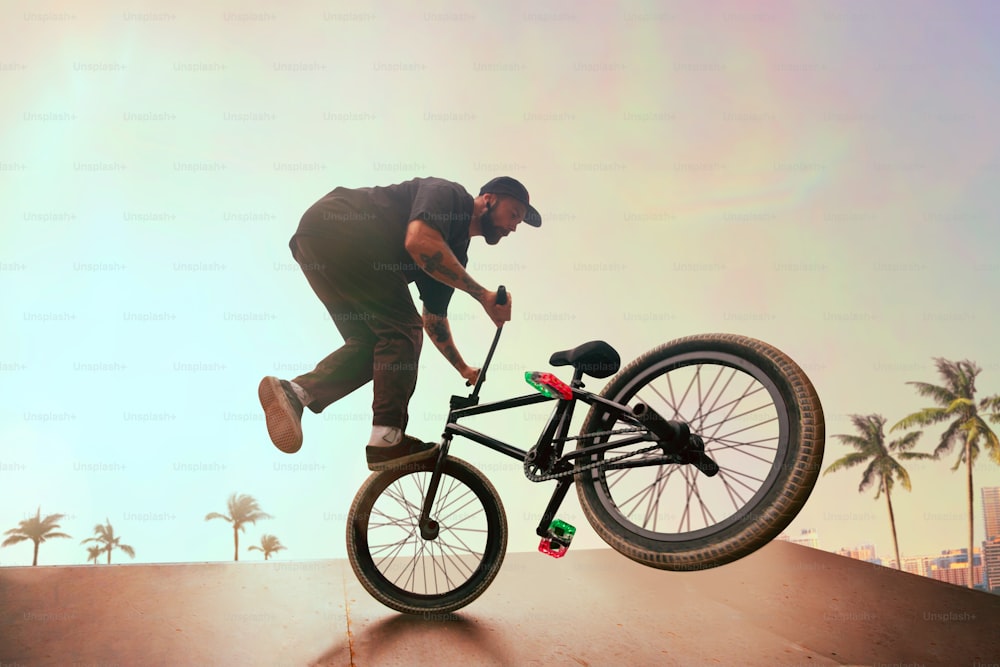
<point>956,404</point>
<point>104,535</point>
<point>35,529</point>
<point>93,553</point>
<point>243,509</point>
<point>269,544</point>
<point>882,465</point>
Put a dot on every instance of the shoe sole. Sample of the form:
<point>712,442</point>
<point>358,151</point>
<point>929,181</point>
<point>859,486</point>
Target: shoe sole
<point>395,464</point>
<point>283,423</point>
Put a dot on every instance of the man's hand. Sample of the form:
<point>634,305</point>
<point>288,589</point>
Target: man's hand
<point>499,314</point>
<point>470,374</point>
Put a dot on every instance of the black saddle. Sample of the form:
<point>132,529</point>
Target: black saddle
<point>596,359</point>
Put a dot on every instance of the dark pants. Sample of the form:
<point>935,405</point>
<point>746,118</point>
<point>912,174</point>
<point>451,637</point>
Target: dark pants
<point>371,306</point>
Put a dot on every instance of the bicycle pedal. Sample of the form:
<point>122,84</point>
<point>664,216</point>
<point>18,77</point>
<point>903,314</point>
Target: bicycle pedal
<point>557,542</point>
<point>548,385</point>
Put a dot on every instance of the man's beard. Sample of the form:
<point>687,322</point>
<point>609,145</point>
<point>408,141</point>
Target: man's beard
<point>490,231</point>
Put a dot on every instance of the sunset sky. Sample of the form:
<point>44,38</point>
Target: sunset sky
<point>820,176</point>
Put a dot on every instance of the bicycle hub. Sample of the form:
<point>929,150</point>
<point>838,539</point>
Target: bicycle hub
<point>429,529</point>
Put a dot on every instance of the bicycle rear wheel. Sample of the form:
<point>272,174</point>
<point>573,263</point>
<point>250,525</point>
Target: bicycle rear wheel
<point>412,575</point>
<point>761,421</point>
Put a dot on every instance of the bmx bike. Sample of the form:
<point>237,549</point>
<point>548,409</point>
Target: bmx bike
<point>696,454</point>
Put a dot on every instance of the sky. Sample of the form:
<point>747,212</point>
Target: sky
<point>820,177</point>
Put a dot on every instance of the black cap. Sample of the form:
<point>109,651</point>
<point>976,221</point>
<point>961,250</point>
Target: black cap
<point>505,185</point>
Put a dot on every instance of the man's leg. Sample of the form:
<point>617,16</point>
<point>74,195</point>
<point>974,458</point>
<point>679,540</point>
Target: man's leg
<point>372,307</point>
<point>372,294</point>
<point>350,366</point>
<point>337,375</point>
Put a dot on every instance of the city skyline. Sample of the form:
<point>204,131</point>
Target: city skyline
<point>986,556</point>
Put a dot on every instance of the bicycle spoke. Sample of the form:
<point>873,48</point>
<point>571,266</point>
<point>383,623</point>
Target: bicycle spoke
<point>692,490</point>
<point>392,556</point>
<point>443,518</point>
<point>728,404</point>
<point>706,513</point>
<point>455,560</point>
<point>441,565</point>
<point>696,418</point>
<point>402,501</point>
<point>744,443</point>
<point>732,433</point>
<point>738,449</point>
<point>730,491</point>
<point>654,500</point>
<point>663,473</point>
<point>733,406</point>
<point>722,392</point>
<point>411,570</point>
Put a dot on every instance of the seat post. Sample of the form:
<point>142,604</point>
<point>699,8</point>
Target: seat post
<point>577,381</point>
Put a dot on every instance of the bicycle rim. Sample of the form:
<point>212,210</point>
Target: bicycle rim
<point>411,574</point>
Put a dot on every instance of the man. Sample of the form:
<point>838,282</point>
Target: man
<point>359,249</point>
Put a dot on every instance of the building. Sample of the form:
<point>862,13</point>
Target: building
<point>991,546</point>
<point>865,552</point>
<point>991,512</point>
<point>807,538</point>
<point>991,563</point>
<point>919,565</point>
<point>952,567</point>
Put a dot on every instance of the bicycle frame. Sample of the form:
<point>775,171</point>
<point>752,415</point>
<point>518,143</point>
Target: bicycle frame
<point>550,442</point>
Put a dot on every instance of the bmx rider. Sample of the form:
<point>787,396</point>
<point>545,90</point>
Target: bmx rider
<point>359,248</point>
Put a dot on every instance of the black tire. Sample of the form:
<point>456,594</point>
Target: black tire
<point>457,579</point>
<point>785,482</point>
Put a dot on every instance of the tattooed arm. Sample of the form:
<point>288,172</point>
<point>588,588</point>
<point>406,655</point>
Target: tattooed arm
<point>438,329</point>
<point>432,254</point>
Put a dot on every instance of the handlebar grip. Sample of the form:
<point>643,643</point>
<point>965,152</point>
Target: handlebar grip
<point>501,295</point>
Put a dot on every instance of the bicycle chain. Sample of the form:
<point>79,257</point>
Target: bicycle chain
<point>590,466</point>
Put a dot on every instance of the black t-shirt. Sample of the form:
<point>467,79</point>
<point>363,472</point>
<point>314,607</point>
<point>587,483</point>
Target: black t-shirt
<point>380,215</point>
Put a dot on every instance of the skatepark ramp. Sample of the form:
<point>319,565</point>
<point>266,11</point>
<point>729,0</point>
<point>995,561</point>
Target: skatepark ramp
<point>784,605</point>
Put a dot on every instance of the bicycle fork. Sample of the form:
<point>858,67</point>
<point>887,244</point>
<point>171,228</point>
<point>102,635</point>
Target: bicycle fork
<point>429,528</point>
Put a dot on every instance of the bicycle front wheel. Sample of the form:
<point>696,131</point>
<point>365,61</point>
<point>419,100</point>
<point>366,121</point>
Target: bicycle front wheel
<point>413,575</point>
<point>760,420</point>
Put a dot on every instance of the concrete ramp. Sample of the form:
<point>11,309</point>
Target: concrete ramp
<point>784,605</point>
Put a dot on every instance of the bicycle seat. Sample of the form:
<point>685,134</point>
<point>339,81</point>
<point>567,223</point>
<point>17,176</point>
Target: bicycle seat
<point>596,359</point>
